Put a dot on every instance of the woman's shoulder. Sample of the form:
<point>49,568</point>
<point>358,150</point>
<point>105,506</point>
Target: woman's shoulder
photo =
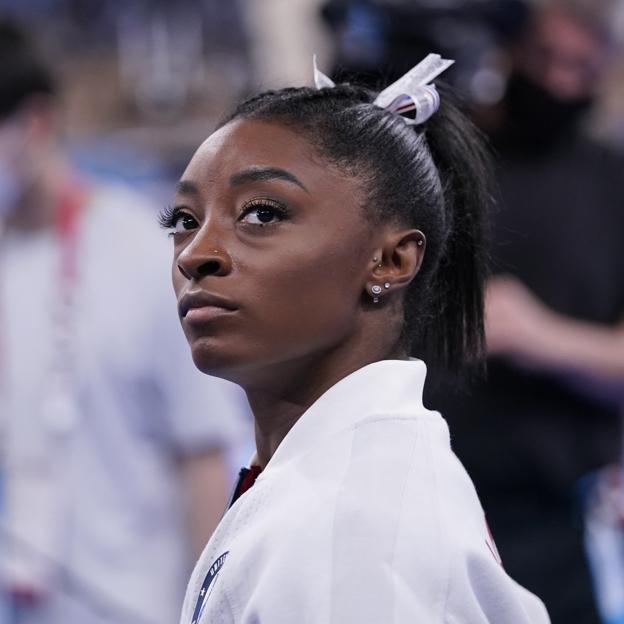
<point>394,476</point>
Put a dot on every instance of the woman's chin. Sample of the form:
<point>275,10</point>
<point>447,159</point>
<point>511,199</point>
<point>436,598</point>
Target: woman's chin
<point>215,360</point>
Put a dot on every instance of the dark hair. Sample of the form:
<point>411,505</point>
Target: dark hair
<point>434,177</point>
<point>23,73</point>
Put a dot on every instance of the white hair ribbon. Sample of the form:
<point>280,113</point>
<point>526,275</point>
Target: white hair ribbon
<point>413,92</point>
<point>320,79</point>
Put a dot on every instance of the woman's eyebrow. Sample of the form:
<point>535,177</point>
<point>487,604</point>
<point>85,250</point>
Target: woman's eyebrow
<point>261,174</point>
<point>186,187</point>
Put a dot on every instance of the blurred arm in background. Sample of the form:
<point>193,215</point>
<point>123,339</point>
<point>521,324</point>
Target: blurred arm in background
<point>520,326</point>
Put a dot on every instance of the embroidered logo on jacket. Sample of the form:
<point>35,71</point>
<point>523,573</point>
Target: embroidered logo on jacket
<point>211,575</point>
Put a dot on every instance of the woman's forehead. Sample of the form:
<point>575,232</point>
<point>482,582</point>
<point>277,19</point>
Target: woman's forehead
<point>243,144</point>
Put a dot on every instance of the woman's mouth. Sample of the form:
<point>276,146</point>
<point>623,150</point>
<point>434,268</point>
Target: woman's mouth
<point>200,306</point>
<point>205,314</point>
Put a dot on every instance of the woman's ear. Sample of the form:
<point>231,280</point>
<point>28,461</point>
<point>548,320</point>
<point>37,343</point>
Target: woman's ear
<point>399,259</point>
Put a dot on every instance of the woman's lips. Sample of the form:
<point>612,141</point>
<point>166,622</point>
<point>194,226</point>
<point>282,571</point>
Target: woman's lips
<point>196,307</point>
<point>205,314</point>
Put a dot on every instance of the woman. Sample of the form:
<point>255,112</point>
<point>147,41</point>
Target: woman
<point>318,234</point>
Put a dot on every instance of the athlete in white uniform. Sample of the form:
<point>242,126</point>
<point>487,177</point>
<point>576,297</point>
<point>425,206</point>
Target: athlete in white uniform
<point>297,546</point>
<point>317,237</point>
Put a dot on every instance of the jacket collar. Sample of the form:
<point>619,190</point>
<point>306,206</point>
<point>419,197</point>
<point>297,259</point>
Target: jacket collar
<point>385,388</point>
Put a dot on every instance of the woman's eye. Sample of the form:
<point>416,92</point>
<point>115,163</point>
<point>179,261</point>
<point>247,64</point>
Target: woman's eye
<point>183,223</point>
<point>176,220</point>
<point>262,214</point>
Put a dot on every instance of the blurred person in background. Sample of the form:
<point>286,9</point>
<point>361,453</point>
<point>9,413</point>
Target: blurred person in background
<point>113,444</point>
<point>549,410</point>
<point>377,40</point>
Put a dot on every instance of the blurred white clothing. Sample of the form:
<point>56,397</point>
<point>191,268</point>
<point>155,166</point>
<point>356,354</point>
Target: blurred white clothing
<point>94,510</point>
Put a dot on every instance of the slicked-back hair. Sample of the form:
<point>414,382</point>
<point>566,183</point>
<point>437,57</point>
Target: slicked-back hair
<point>434,177</point>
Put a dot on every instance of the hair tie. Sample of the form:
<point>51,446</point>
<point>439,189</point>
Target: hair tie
<point>413,93</point>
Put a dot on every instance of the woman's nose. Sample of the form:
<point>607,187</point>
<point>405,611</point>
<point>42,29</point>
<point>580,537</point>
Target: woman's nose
<point>202,258</point>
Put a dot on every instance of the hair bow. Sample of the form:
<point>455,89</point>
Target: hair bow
<point>415,91</point>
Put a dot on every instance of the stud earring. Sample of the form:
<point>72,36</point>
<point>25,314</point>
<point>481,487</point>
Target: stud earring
<point>387,285</point>
<point>420,242</point>
<point>376,290</point>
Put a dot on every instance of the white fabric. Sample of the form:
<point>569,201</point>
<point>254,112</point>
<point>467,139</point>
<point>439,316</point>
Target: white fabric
<point>95,515</point>
<point>410,92</point>
<point>321,81</point>
<point>419,76</point>
<point>364,514</point>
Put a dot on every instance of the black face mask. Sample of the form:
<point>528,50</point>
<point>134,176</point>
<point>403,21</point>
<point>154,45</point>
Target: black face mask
<point>537,121</point>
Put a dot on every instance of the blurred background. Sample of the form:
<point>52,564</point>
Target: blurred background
<point>153,78</point>
<point>103,103</point>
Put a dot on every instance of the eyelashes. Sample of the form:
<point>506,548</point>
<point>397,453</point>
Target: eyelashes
<point>168,217</point>
<point>177,220</point>
<point>263,211</point>
<point>258,212</point>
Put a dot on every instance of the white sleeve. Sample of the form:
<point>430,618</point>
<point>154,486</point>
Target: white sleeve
<point>481,592</point>
<point>435,559</point>
<point>479,589</point>
<point>379,593</point>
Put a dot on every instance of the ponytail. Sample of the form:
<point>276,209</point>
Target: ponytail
<point>453,332</point>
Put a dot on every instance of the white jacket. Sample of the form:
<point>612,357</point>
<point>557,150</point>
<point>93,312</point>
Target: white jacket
<point>363,515</point>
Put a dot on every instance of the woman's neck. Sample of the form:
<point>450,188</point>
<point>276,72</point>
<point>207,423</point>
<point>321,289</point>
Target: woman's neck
<point>278,406</point>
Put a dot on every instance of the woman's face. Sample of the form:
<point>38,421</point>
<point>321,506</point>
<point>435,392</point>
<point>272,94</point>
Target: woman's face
<point>271,253</point>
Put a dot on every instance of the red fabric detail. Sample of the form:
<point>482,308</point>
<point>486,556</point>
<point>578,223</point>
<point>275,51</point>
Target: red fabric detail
<point>246,478</point>
<point>250,479</point>
<point>68,213</point>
